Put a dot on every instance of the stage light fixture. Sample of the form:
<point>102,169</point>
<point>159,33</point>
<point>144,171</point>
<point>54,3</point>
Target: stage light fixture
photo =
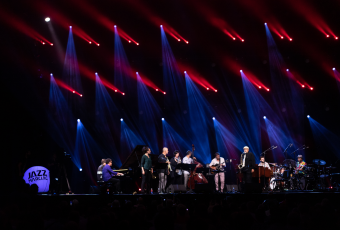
<point>164,93</point>
<point>96,73</point>
<point>43,43</point>
<point>311,88</point>
<point>121,119</point>
<point>73,91</point>
<point>98,44</point>
<point>51,44</point>
<point>115,91</point>
<point>333,68</point>
<point>234,39</point>
<point>264,117</point>
<point>90,42</point>
<point>136,72</point>
<point>157,90</point>
<point>287,70</point>
<point>281,37</point>
<point>260,87</point>
<point>242,40</point>
<point>70,27</point>
<point>137,44</point>
<point>213,118</point>
<point>265,23</point>
<point>336,38</point>
<point>80,170</point>
<point>81,95</point>
<point>162,119</point>
<point>129,41</point>
<point>327,36</point>
<point>290,39</point>
<point>241,71</point>
<point>267,89</point>
<point>308,116</point>
<point>123,94</point>
<point>303,86</point>
<point>179,40</point>
<point>47,19</point>
<point>187,42</point>
<point>51,74</point>
<point>161,25</point>
<point>207,88</point>
<point>216,90</point>
<point>115,26</point>
<point>185,71</point>
<point>78,120</point>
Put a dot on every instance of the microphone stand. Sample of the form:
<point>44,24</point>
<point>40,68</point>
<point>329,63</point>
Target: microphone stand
<point>264,167</point>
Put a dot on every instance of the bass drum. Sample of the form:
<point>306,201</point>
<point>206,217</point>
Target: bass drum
<point>272,184</point>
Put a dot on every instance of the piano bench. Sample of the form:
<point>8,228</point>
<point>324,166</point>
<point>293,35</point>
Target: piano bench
<point>106,187</point>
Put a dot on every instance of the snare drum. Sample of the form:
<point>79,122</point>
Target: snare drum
<point>272,183</point>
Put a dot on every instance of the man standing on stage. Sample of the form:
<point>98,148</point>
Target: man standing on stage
<point>187,160</point>
<point>218,163</point>
<point>100,170</point>
<point>108,175</point>
<point>248,164</point>
<point>163,173</point>
<point>263,163</point>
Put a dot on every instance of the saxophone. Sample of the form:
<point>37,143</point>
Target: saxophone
<point>240,166</point>
<point>169,167</point>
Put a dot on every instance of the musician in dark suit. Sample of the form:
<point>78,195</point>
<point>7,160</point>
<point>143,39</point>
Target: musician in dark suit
<point>248,164</point>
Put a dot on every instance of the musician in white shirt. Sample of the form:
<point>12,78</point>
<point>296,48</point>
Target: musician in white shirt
<point>264,163</point>
<point>187,160</point>
<point>218,163</point>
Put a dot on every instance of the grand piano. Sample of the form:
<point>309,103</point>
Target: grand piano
<point>132,178</point>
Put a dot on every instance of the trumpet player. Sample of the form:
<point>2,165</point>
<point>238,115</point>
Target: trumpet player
<point>247,164</point>
<point>163,173</point>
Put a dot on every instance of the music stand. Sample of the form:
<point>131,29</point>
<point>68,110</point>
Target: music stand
<point>188,167</point>
<point>162,166</point>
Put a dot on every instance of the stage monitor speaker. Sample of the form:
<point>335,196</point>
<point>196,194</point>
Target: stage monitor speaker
<point>176,188</point>
<point>232,188</point>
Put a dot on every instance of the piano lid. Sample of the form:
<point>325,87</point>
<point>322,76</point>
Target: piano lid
<point>135,157</point>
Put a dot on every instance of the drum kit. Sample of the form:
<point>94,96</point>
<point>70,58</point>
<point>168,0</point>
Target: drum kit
<point>315,176</point>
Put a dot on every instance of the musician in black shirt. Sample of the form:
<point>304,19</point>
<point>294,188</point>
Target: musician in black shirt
<point>163,173</point>
<point>248,164</point>
<point>146,165</point>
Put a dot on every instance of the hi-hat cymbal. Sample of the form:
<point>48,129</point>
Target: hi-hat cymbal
<point>319,162</point>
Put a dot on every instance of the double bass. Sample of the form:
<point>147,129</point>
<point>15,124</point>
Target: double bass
<point>196,178</point>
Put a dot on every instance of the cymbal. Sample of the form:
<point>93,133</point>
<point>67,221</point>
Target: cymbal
<point>272,163</point>
<point>319,162</point>
<point>330,167</point>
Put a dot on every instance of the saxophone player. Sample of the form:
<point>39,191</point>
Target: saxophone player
<point>247,164</point>
<point>163,173</point>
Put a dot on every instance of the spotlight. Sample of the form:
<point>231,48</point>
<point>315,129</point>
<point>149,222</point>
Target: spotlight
<point>336,38</point>
<point>311,88</point>
<point>327,36</point>
<point>185,71</point>
<point>241,71</point>
<point>267,89</point>
<point>303,86</point>
<point>47,19</point>
<point>137,44</point>
<point>98,44</point>
<point>242,40</point>
<point>162,119</point>
<point>74,92</point>
<point>215,90</point>
<point>129,41</point>
<point>161,25</point>
<point>164,92</point>
<point>260,87</point>
<point>123,94</point>
<point>264,117</point>
<point>78,120</point>
<point>121,119</point>
<point>333,68</point>
<point>207,88</point>
<point>287,70</point>
<point>234,38</point>
<point>115,26</point>
<point>81,95</point>
<point>51,44</point>
<point>290,39</point>
<point>90,42</point>
<point>43,43</point>
<point>265,23</point>
<point>51,74</point>
<point>308,116</point>
<point>136,72</point>
<point>187,42</point>
<point>281,37</point>
<point>115,91</point>
<point>96,73</point>
<point>80,169</point>
<point>213,118</point>
<point>179,40</point>
<point>70,27</point>
<point>157,90</point>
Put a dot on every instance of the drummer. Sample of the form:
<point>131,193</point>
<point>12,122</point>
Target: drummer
<point>263,163</point>
<point>300,165</point>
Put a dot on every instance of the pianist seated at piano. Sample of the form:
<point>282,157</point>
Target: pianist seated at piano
<point>263,163</point>
<point>109,175</point>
